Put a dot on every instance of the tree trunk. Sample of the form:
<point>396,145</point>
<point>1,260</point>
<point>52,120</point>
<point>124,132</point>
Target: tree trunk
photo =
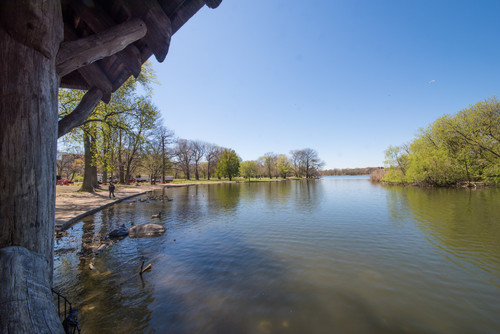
<point>93,166</point>
<point>95,184</point>
<point>162,159</point>
<point>188,174</point>
<point>87,170</point>
<point>121,167</point>
<point>30,34</point>
<point>105,164</point>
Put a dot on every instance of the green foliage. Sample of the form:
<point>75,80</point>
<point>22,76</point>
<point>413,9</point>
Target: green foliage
<point>117,131</point>
<point>284,165</point>
<point>453,149</point>
<point>229,164</point>
<point>249,169</point>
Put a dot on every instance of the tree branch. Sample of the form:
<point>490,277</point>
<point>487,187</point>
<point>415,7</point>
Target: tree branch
<point>81,112</point>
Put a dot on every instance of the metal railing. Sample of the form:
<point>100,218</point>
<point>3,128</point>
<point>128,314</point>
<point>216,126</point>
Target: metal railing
<point>67,314</point>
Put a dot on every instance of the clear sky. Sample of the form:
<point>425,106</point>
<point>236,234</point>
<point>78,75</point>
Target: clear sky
<point>346,78</point>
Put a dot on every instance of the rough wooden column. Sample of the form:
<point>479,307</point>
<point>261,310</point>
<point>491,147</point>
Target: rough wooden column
<point>30,34</point>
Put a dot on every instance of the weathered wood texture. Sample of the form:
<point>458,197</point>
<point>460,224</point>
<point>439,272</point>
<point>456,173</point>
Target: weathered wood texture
<point>99,20</point>
<point>92,74</point>
<point>76,54</point>
<point>159,26</point>
<point>26,302</point>
<point>30,34</point>
<point>81,112</point>
<point>28,124</point>
<point>213,3</point>
<point>163,18</point>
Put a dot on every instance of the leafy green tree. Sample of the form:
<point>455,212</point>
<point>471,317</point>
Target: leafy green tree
<point>114,133</point>
<point>269,162</point>
<point>453,149</point>
<point>283,165</point>
<point>229,164</point>
<point>249,169</point>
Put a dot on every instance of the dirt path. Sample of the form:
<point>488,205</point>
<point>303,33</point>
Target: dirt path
<point>72,205</point>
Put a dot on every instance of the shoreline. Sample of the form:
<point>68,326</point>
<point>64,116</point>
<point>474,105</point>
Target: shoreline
<point>71,205</point>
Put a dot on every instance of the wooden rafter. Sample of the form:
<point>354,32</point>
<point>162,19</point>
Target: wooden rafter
<point>158,23</point>
<point>76,54</point>
<point>98,20</point>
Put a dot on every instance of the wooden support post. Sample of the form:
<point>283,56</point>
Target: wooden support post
<point>75,54</point>
<point>81,112</point>
<point>30,35</point>
<point>26,302</point>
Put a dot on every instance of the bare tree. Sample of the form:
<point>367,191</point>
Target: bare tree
<point>63,165</point>
<point>152,158</point>
<point>212,154</point>
<point>198,149</point>
<point>164,138</point>
<point>306,162</point>
<point>184,155</point>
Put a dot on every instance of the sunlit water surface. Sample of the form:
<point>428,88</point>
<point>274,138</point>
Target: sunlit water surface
<point>337,255</point>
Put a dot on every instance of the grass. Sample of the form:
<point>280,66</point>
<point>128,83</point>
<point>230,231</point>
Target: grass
<point>226,180</point>
<point>76,186</point>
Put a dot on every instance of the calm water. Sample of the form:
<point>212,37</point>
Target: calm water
<point>337,255</point>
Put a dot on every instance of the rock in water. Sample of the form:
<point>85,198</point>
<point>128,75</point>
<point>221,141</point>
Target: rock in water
<point>146,231</point>
<point>119,232</point>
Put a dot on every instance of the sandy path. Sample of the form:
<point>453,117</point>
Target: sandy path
<point>72,205</point>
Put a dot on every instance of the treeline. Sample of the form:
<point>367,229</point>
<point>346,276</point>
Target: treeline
<point>205,160</point>
<point>349,171</point>
<point>464,147</point>
<point>126,138</point>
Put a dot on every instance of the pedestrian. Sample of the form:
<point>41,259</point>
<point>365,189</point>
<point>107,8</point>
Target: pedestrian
<point>111,189</point>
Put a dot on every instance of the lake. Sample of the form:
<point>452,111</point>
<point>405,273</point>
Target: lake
<point>336,255</point>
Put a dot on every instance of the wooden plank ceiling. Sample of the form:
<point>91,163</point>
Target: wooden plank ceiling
<point>83,19</point>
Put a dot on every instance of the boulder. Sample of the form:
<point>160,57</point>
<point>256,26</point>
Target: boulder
<point>119,232</point>
<point>146,231</point>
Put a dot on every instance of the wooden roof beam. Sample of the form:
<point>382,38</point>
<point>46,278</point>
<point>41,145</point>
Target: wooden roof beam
<point>183,13</point>
<point>81,112</point>
<point>98,20</point>
<point>95,77</point>
<point>212,3</point>
<point>74,81</point>
<point>73,55</point>
<point>159,26</point>
<point>92,74</point>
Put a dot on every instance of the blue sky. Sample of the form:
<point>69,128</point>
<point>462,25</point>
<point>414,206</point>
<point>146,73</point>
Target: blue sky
<point>346,78</point>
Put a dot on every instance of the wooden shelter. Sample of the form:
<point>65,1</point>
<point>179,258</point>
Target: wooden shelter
<point>93,45</point>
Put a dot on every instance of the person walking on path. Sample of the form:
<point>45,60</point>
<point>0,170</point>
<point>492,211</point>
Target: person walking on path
<point>111,189</point>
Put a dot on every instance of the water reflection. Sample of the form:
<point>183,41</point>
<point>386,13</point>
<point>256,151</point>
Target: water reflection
<point>462,223</point>
<point>338,255</point>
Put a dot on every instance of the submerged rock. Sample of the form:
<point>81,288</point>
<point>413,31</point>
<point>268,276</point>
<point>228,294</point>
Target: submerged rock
<point>146,231</point>
<point>119,232</point>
